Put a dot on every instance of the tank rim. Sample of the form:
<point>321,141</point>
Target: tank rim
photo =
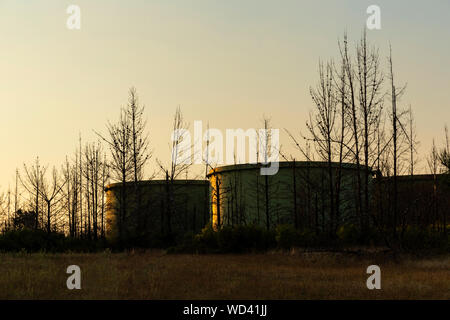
<point>157,182</point>
<point>285,164</point>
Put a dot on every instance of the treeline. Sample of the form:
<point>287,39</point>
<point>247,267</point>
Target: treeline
<point>70,200</point>
<point>358,118</point>
<point>245,239</point>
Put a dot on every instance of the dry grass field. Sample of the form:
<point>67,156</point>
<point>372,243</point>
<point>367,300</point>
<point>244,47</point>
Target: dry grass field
<point>156,275</point>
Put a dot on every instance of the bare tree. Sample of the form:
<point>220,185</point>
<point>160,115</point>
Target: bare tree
<point>93,163</point>
<point>140,153</point>
<point>120,145</point>
<point>265,149</point>
<point>396,93</point>
<point>139,137</point>
<point>413,143</point>
<point>353,119</point>
<point>80,185</point>
<point>4,221</point>
<point>104,181</point>
<point>444,154</point>
<point>16,193</point>
<point>342,136</point>
<point>433,165</point>
<point>70,175</point>
<point>370,80</point>
<point>49,192</point>
<point>444,158</point>
<point>179,164</point>
<point>32,182</point>
<point>180,148</point>
<point>321,127</point>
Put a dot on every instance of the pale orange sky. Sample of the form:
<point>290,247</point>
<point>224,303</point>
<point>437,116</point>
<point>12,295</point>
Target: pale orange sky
<point>226,62</point>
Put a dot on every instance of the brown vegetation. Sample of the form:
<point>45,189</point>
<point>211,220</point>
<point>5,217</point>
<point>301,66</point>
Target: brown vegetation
<point>155,275</point>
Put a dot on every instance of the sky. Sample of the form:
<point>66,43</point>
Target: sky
<point>223,62</point>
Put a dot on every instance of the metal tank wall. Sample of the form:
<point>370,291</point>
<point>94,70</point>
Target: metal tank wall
<point>297,195</point>
<point>189,212</point>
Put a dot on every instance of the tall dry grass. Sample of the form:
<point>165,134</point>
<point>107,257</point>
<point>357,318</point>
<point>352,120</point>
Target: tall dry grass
<point>155,275</point>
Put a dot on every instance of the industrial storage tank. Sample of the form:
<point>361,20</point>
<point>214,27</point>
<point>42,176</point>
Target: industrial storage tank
<point>423,200</point>
<point>167,208</point>
<point>298,194</point>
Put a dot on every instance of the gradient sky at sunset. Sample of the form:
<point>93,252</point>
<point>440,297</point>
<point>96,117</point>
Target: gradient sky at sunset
<point>226,62</point>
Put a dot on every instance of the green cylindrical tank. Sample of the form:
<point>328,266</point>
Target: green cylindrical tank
<point>298,194</point>
<point>166,208</point>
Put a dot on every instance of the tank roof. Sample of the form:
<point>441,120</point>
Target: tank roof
<point>158,182</point>
<point>419,177</point>
<point>284,164</point>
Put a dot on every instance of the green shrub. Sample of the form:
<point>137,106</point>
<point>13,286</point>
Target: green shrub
<point>286,236</point>
<point>308,238</point>
<point>244,238</point>
<point>414,238</point>
<point>350,234</point>
<point>237,239</point>
<point>206,240</point>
